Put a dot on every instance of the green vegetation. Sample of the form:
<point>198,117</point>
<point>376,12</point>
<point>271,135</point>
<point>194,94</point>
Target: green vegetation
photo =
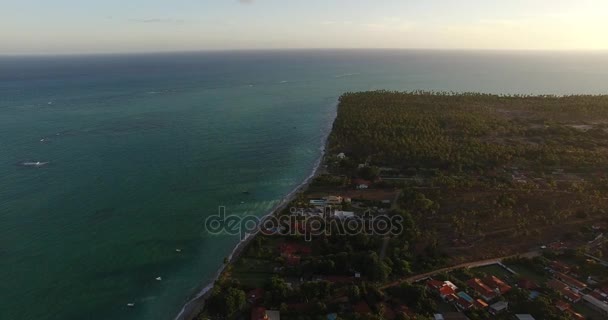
<point>473,176</point>
<point>471,132</point>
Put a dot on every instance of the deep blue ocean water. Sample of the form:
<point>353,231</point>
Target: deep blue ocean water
<point>141,148</point>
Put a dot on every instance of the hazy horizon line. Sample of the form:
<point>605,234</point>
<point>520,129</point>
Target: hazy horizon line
<point>160,52</point>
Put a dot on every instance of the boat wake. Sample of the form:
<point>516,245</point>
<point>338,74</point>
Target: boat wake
<point>347,75</point>
<point>33,163</point>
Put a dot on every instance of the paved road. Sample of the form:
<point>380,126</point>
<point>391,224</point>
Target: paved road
<point>473,264</point>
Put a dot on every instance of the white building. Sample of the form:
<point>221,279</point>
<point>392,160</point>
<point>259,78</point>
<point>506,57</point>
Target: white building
<point>596,304</point>
<point>344,214</point>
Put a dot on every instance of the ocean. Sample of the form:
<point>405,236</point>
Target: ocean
<point>141,148</point>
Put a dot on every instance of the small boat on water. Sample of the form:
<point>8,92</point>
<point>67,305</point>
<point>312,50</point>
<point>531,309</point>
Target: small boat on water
<point>178,250</point>
<point>131,305</point>
<point>246,192</point>
<point>159,279</point>
<point>33,163</point>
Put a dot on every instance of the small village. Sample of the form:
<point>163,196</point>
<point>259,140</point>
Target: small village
<point>491,226</point>
<point>285,274</point>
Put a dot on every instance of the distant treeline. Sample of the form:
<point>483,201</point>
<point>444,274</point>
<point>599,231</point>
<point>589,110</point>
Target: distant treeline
<point>471,131</point>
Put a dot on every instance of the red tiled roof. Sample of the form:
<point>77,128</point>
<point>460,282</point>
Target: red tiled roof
<point>570,295</point>
<point>292,260</point>
<point>497,284</point>
<point>480,304</point>
<point>481,288</point>
<point>596,295</point>
<point>570,281</point>
<point>258,313</point>
<point>446,291</point>
<point>559,266</point>
<point>562,305</point>
<point>527,284</point>
<point>575,315</point>
<point>362,308</point>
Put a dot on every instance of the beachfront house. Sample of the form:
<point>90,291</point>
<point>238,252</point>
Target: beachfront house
<point>333,200</point>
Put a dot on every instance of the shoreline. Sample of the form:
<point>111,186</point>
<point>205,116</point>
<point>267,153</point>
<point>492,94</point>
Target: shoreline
<point>195,305</point>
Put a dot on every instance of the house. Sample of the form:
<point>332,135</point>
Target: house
<point>317,202</point>
<point>498,307</point>
<point>255,296</point>
<point>524,317</point>
<point>447,293</point>
<point>559,267</point>
<point>342,215</point>
<point>259,313</point>
<point>564,291</point>
<point>570,281</point>
<point>562,305</point>
<point>362,184</point>
<point>499,286</point>
<point>480,304</point>
<point>444,289</point>
<point>273,314</point>
<point>598,305</point>
<point>527,284</point>
<point>335,200</point>
<point>482,289</point>
<point>574,315</point>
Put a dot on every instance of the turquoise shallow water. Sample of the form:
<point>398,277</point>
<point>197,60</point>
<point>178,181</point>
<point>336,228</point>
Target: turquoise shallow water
<point>143,147</point>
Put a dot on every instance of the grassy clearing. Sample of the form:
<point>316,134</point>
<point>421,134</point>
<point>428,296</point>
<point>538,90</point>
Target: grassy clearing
<point>494,270</point>
<point>525,272</point>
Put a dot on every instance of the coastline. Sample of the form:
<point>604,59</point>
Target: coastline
<point>195,305</point>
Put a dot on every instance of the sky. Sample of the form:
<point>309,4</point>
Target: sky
<point>116,26</point>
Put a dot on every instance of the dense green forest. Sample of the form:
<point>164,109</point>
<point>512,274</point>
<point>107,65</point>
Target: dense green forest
<point>471,131</point>
<point>476,170</point>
